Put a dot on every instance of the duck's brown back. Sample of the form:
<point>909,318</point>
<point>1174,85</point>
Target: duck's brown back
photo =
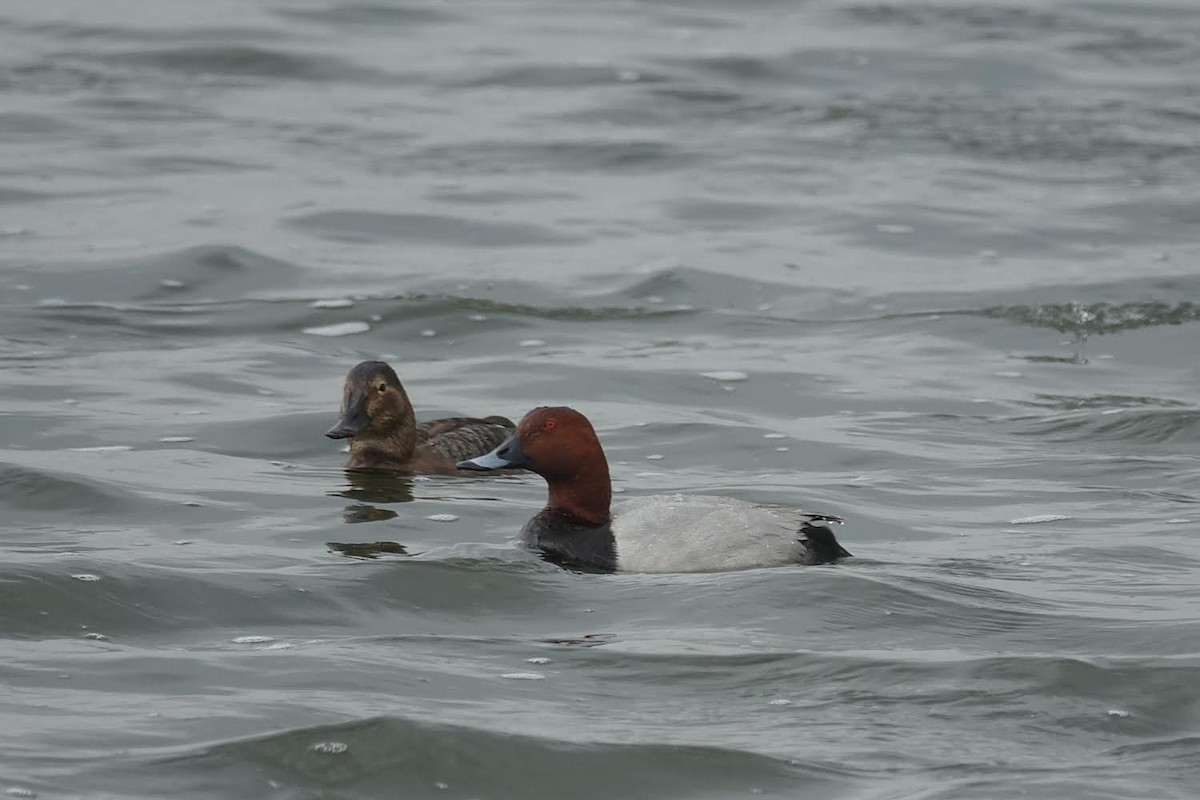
<point>461,438</point>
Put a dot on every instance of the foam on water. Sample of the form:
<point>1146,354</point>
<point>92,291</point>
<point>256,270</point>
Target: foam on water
<point>338,329</point>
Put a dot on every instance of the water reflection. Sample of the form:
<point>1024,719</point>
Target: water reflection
<point>359,512</point>
<point>376,486</point>
<point>368,549</point>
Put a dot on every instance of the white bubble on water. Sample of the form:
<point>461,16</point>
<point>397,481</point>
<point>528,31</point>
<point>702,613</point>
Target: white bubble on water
<point>442,517</point>
<point>726,375</point>
<point>340,302</point>
<point>252,639</point>
<point>330,748</point>
<point>524,676</point>
<point>1037,519</point>
<point>537,660</point>
<point>86,577</point>
<point>338,329</point>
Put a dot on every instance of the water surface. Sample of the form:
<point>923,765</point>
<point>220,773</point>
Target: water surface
<point>929,266</point>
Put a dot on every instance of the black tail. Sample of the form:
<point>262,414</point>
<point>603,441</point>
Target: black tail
<point>823,547</point>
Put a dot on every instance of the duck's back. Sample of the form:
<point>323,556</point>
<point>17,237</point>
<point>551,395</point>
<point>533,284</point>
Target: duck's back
<point>702,533</point>
<point>460,438</point>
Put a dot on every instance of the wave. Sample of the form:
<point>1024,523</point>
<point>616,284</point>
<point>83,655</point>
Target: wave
<point>417,758</point>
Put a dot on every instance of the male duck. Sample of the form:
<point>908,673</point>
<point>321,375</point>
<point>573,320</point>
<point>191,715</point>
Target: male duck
<point>378,419</point>
<point>659,533</point>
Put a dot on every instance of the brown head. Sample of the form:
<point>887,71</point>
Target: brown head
<point>376,411</point>
<point>559,444</point>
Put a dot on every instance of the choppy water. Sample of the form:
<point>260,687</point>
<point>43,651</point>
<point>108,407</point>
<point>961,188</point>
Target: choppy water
<point>929,265</point>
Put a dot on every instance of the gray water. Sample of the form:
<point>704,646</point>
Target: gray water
<point>927,265</point>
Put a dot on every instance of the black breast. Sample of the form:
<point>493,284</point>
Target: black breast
<point>569,542</point>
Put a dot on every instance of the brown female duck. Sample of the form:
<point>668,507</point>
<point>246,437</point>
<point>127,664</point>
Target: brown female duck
<point>378,419</point>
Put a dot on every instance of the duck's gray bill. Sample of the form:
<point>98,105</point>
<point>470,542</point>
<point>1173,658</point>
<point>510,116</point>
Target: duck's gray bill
<point>354,419</point>
<point>507,456</point>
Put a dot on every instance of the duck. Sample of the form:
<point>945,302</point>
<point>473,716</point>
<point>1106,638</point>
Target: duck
<point>581,530</point>
<point>378,419</point>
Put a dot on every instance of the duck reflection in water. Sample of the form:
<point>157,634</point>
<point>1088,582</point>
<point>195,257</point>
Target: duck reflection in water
<point>366,487</point>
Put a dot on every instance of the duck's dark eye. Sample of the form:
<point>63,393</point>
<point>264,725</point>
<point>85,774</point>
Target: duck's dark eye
<point>383,387</point>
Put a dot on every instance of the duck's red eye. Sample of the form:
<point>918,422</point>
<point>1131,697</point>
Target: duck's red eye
<point>550,425</point>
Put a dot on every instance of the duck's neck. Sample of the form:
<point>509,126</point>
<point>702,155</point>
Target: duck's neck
<point>392,439</point>
<point>585,494</point>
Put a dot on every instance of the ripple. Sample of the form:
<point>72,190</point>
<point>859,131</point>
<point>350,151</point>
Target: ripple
<point>386,20</point>
<point>186,164</point>
<point>246,61</point>
<point>1098,318</point>
<point>413,757</point>
<point>983,21</point>
<point>19,126</point>
<point>548,76</point>
<point>582,155</point>
<point>12,194</point>
<point>1149,426</point>
<point>365,226</point>
<point>23,488</point>
<point>214,273</point>
<point>133,602</point>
